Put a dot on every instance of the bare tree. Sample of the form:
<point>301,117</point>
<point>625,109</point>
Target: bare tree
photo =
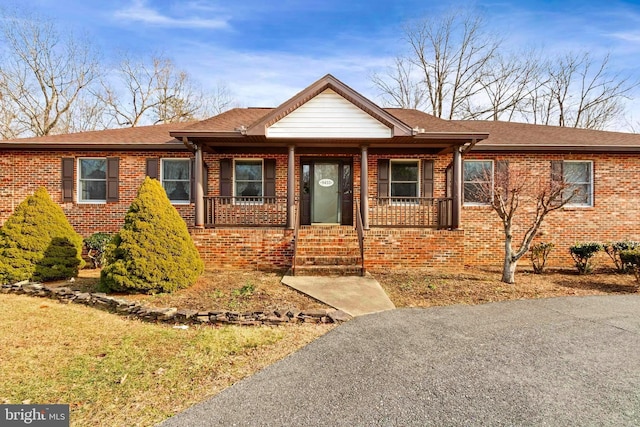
<point>584,92</point>
<point>399,87</point>
<point>452,55</point>
<point>155,91</point>
<point>512,188</point>
<point>42,74</point>
<point>456,68</point>
<point>505,88</point>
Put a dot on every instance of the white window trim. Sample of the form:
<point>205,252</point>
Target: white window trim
<point>176,202</point>
<point>582,205</point>
<point>235,198</point>
<point>492,181</point>
<point>79,180</point>
<point>419,192</point>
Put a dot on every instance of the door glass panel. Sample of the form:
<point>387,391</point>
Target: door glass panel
<point>325,193</point>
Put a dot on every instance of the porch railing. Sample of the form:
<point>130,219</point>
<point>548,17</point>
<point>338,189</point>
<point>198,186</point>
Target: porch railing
<point>418,212</point>
<point>245,211</point>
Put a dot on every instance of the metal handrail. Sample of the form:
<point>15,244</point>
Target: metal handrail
<point>296,228</point>
<point>360,231</point>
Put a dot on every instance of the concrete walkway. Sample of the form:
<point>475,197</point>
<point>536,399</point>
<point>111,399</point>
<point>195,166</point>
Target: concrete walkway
<point>354,295</point>
<point>555,362</point>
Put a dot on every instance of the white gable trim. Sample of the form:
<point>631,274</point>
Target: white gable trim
<point>328,115</point>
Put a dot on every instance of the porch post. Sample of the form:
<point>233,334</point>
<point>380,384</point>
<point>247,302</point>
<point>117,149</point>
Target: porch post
<point>291,185</point>
<point>364,186</point>
<point>457,188</point>
<point>199,196</point>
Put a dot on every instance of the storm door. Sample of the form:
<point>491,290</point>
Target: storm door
<point>327,192</point>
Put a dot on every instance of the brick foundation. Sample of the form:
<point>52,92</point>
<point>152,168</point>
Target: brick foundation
<point>255,248</point>
<point>389,248</point>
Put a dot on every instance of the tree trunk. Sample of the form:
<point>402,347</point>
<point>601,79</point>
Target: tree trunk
<point>509,266</point>
<point>509,270</point>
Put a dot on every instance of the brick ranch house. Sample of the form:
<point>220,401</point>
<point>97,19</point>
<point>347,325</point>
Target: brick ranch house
<point>330,182</point>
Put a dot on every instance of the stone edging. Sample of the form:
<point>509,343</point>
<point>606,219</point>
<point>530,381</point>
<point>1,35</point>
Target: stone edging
<point>137,310</point>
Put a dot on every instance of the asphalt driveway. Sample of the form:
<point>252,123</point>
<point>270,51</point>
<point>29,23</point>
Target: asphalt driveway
<point>561,361</point>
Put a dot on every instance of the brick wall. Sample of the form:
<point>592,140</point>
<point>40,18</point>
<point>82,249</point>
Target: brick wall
<point>255,248</point>
<point>615,214</point>
<point>387,248</point>
<point>22,172</point>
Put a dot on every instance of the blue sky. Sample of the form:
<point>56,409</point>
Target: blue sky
<point>266,51</point>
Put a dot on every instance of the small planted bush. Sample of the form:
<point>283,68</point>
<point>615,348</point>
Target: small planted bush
<point>582,254</point>
<point>38,243</point>
<point>615,248</point>
<point>153,252</point>
<point>96,245</point>
<point>631,259</point>
<point>539,254</point>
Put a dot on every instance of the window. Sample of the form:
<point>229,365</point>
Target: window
<point>404,179</point>
<point>176,179</point>
<point>248,180</point>
<point>477,182</point>
<point>578,176</point>
<point>92,180</point>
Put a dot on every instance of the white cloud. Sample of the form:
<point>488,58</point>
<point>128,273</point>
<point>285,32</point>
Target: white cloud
<point>139,11</point>
<point>266,79</point>
<point>632,36</point>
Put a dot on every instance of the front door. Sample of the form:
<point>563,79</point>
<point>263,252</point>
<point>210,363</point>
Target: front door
<point>327,192</point>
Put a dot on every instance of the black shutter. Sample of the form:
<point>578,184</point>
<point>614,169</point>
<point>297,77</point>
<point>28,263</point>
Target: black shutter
<point>270,180</point>
<point>153,168</point>
<point>205,179</point>
<point>67,179</point>
<point>192,180</point>
<point>557,173</point>
<point>225,178</point>
<point>427,178</point>
<point>557,178</point>
<point>113,178</point>
<point>383,179</point>
<point>502,177</point>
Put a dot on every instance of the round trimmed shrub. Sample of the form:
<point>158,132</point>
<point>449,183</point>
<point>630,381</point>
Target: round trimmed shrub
<point>38,243</point>
<point>153,252</point>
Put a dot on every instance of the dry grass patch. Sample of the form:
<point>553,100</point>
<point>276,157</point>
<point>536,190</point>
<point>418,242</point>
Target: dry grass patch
<point>236,290</point>
<point>426,288</point>
<point>114,371</point>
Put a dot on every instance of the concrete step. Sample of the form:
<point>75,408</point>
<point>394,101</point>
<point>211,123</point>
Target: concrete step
<point>322,251</point>
<point>328,270</point>
<point>322,260</point>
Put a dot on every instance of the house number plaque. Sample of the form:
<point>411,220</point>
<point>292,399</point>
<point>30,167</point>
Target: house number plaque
<point>326,182</point>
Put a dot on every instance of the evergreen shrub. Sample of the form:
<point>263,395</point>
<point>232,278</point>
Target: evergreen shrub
<point>615,248</point>
<point>153,252</point>
<point>38,243</point>
<point>582,254</point>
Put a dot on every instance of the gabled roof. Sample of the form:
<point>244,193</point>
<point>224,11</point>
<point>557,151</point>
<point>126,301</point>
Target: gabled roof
<point>398,127</point>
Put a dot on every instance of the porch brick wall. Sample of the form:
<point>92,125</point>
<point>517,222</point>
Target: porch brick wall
<point>397,248</point>
<point>614,216</point>
<point>22,172</point>
<point>254,248</point>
